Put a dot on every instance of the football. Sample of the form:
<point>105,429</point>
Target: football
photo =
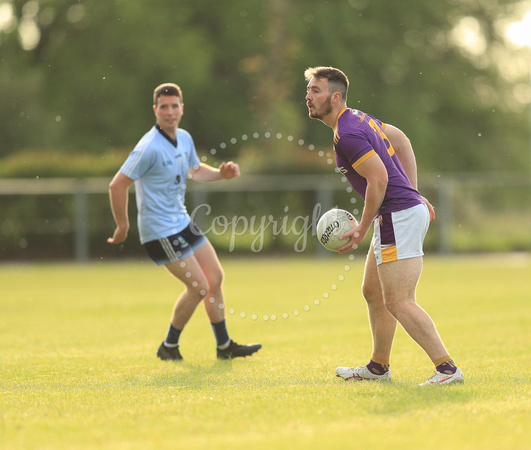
<point>332,225</point>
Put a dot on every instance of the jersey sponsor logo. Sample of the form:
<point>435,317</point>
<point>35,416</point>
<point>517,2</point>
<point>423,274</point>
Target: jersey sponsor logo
<point>169,162</point>
<point>361,116</point>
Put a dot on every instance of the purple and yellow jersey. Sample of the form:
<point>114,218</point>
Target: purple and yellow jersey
<point>357,137</point>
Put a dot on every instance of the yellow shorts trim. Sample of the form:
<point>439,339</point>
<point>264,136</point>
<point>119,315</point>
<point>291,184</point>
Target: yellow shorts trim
<point>409,227</point>
<point>389,254</point>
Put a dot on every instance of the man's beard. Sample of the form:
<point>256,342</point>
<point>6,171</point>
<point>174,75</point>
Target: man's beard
<point>324,110</point>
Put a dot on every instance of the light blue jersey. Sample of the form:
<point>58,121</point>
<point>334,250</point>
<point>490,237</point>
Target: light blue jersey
<point>159,167</point>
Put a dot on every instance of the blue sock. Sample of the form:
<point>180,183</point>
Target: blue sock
<point>221,333</point>
<point>172,340</point>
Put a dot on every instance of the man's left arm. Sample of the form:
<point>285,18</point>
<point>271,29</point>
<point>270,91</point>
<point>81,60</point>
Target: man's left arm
<point>404,151</point>
<point>406,155</point>
<point>206,173</point>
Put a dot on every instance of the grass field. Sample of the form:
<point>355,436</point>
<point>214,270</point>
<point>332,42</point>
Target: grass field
<point>78,366</point>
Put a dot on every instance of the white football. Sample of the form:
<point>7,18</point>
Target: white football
<point>332,225</point>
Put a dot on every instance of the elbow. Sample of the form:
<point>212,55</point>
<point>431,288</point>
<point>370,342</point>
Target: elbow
<point>402,145</point>
<point>116,189</point>
<point>378,183</point>
<point>112,186</point>
<point>381,185</point>
<point>119,183</point>
<point>382,181</point>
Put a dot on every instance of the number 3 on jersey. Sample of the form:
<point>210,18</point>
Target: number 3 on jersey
<point>378,130</point>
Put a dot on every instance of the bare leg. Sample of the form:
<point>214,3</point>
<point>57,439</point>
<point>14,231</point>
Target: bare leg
<point>383,324</point>
<point>211,267</point>
<point>191,274</point>
<point>399,281</point>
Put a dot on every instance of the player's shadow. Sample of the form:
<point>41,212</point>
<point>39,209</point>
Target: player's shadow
<point>192,375</point>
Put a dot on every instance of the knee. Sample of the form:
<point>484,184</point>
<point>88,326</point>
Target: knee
<point>392,307</point>
<point>198,289</point>
<point>216,279</point>
<point>371,293</point>
<point>395,307</point>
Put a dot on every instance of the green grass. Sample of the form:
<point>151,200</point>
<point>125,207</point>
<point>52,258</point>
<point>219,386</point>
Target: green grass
<point>78,366</point>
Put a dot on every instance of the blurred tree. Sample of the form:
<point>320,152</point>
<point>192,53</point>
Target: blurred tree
<point>414,65</point>
<point>78,74</point>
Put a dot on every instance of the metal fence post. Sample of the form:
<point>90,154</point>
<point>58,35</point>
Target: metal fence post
<point>81,245</point>
<point>445,215</point>
<point>324,198</point>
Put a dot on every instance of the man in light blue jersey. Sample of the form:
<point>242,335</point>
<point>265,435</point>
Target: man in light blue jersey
<point>378,161</point>
<point>160,166</point>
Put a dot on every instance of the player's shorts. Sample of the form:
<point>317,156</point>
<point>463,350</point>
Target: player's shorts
<point>400,235</point>
<point>176,247</point>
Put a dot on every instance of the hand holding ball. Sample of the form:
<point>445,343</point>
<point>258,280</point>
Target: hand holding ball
<point>332,225</point>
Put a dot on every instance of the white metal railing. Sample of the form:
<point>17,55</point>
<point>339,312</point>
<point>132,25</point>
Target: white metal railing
<point>444,189</point>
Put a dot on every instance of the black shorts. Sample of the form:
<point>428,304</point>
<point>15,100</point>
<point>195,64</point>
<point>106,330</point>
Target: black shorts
<point>176,247</point>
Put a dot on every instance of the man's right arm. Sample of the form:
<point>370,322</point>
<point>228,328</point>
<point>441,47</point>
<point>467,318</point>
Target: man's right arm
<point>119,196</point>
<point>375,173</point>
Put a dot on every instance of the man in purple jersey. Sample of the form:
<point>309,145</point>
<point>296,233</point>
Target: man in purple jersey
<point>378,161</point>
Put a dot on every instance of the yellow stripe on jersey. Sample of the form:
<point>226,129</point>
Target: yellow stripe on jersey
<point>336,134</point>
<point>389,254</point>
<point>363,159</point>
<point>379,130</point>
<point>337,120</point>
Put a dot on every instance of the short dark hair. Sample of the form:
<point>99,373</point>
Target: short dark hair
<point>168,89</point>
<point>337,80</point>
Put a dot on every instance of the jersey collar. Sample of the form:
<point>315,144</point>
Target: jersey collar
<point>172,141</point>
<point>338,116</point>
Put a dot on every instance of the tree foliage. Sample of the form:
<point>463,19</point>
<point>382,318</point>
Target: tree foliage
<point>78,75</point>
